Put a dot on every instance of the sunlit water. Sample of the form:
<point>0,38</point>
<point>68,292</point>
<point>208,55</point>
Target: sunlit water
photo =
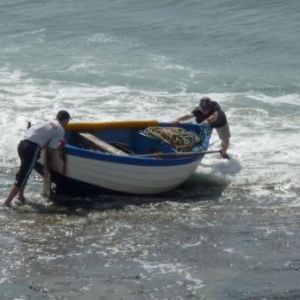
<point>231,231</point>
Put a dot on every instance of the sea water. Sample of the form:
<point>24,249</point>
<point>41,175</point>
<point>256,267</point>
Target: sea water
<point>231,231</point>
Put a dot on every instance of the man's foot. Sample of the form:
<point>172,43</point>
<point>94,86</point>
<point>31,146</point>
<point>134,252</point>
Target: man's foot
<point>5,203</point>
<point>22,199</point>
<point>225,156</point>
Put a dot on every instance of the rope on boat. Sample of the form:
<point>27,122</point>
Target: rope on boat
<point>176,137</point>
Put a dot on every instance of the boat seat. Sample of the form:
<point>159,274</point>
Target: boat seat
<point>143,144</point>
<point>101,145</point>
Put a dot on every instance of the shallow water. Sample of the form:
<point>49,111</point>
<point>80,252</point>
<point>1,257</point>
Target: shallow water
<point>232,231</point>
<point>217,243</point>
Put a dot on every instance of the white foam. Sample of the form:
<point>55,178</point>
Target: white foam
<point>265,131</point>
<point>283,99</point>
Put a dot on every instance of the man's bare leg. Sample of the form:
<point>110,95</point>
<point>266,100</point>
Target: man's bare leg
<point>12,194</point>
<point>225,146</point>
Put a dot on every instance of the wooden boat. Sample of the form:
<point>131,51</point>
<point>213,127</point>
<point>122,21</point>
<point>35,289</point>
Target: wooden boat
<point>122,157</point>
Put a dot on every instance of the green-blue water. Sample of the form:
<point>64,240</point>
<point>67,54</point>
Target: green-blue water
<point>232,231</point>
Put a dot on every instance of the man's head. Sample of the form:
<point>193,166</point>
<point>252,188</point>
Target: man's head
<point>204,104</point>
<point>63,117</point>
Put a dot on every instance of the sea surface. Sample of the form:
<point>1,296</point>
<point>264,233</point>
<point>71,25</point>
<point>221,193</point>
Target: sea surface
<point>232,232</point>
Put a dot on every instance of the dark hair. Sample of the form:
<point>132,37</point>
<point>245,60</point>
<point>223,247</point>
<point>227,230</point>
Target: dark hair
<point>63,115</point>
<point>205,103</point>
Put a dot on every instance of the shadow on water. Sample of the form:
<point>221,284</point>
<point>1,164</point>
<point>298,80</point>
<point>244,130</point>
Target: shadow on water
<point>198,188</point>
<point>201,187</point>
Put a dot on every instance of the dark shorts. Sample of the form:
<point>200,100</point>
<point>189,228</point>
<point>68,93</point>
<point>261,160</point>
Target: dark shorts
<point>29,153</point>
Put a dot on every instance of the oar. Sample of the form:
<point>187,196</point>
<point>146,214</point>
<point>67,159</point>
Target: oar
<point>63,156</point>
<point>178,155</point>
<point>47,176</point>
<point>212,143</point>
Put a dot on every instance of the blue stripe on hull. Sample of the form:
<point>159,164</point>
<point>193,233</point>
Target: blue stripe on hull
<point>65,186</point>
<point>130,160</point>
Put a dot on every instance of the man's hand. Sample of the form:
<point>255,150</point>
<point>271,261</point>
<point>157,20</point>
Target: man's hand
<point>175,122</point>
<point>205,122</point>
<point>63,143</point>
<point>211,119</point>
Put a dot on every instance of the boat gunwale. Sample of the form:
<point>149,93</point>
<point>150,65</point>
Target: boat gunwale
<point>132,159</point>
<point>97,126</point>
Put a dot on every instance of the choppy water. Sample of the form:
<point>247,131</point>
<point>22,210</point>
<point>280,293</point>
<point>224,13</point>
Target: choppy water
<point>232,231</point>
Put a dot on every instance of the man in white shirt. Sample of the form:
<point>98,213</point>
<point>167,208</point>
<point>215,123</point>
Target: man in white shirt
<point>45,134</point>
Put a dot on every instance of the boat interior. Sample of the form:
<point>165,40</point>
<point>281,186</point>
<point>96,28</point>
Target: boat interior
<point>132,137</point>
<point>118,142</point>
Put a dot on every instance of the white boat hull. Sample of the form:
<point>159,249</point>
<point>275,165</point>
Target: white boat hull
<point>126,178</point>
<point>141,171</point>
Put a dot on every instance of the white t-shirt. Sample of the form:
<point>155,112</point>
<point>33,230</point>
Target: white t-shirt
<point>45,132</point>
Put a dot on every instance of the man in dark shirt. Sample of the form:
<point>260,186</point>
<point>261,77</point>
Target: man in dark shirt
<point>210,113</point>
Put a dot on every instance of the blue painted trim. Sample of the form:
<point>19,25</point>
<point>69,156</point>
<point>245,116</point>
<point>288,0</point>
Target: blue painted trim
<point>130,159</point>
